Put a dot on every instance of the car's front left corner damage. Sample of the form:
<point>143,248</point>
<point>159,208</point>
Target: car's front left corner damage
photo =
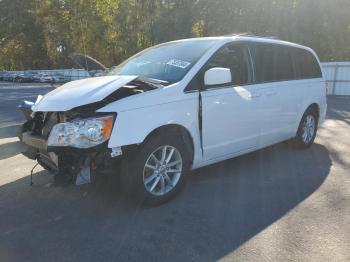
<point>73,144</point>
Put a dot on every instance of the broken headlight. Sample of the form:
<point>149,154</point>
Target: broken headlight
<point>82,133</point>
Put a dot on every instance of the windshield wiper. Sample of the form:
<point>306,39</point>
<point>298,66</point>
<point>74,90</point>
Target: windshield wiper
<point>153,81</point>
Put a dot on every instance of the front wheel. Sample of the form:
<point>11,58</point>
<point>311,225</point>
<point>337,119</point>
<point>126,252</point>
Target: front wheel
<point>307,129</point>
<point>156,172</point>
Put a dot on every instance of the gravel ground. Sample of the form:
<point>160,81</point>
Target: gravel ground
<point>277,204</point>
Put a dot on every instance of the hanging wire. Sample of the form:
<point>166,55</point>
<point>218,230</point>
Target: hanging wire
<point>31,174</point>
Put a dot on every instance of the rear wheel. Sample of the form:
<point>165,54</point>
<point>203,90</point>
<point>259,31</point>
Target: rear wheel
<point>156,172</point>
<point>307,129</point>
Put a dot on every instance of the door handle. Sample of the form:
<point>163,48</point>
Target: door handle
<point>255,95</point>
<point>271,93</point>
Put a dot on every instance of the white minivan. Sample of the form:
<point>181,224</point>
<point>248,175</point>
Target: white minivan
<point>176,107</point>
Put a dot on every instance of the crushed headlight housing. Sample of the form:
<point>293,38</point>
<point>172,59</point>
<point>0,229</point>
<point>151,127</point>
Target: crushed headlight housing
<point>82,133</point>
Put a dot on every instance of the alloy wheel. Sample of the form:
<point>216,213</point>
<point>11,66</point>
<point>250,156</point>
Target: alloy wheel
<point>162,170</point>
<point>308,129</point>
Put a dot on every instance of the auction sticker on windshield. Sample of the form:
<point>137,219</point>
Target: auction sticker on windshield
<point>178,63</point>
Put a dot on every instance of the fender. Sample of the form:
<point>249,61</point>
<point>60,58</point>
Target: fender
<point>133,126</point>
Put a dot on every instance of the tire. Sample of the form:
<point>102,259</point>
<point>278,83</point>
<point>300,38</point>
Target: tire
<point>139,179</point>
<point>307,129</point>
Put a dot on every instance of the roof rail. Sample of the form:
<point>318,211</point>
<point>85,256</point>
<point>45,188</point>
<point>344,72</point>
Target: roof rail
<point>248,34</point>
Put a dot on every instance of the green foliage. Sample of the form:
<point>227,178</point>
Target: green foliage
<point>21,39</point>
<point>41,33</point>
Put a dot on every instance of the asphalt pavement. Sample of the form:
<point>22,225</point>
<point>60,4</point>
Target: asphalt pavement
<point>277,204</point>
<point>12,94</point>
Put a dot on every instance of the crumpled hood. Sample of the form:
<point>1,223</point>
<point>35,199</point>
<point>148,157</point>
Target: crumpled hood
<point>80,92</point>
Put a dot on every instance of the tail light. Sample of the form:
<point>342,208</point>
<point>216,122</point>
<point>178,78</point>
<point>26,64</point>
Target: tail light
<point>326,87</point>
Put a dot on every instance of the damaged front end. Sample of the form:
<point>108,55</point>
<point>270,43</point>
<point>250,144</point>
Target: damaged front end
<point>69,145</point>
<point>73,144</point>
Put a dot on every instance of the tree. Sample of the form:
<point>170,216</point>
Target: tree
<point>43,32</point>
<point>21,40</point>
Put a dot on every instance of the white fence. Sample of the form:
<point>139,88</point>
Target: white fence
<point>338,77</point>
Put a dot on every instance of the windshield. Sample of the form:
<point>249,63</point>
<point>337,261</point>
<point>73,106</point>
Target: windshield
<point>169,62</point>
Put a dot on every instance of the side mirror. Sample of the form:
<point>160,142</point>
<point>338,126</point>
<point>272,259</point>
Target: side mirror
<point>217,76</point>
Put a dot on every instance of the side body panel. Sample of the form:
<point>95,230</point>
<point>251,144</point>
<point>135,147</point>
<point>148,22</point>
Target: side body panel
<point>278,111</point>
<point>283,105</point>
<point>133,126</point>
<point>230,120</point>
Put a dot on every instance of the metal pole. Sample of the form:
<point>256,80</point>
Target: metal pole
<point>335,78</point>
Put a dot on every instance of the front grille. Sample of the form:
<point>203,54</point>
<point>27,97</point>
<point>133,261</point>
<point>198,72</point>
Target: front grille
<point>44,122</point>
<point>38,123</point>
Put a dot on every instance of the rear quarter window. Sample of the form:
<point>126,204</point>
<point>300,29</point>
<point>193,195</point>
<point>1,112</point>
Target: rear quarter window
<point>306,65</point>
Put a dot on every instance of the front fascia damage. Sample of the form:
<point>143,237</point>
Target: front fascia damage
<point>70,164</point>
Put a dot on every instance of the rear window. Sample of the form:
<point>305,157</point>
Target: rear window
<point>306,64</point>
<point>273,63</point>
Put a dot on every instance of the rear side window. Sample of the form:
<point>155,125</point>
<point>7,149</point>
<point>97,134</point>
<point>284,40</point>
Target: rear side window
<point>264,63</point>
<point>273,63</point>
<point>283,64</point>
<point>306,65</point>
